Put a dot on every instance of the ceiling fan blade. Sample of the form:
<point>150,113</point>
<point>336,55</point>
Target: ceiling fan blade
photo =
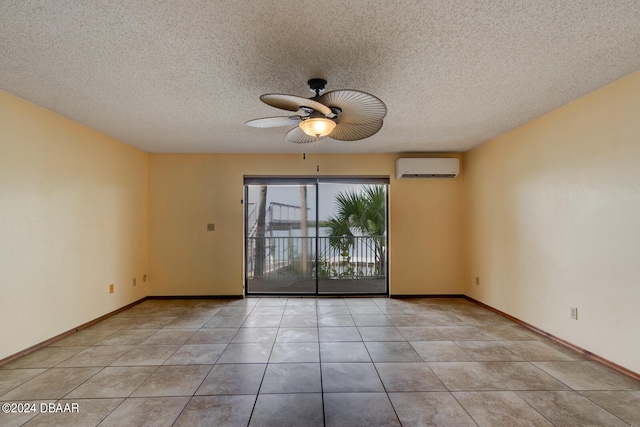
<point>297,136</point>
<point>293,103</point>
<point>274,122</point>
<point>346,132</point>
<point>358,108</point>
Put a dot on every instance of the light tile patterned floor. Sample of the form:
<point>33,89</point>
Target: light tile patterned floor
<point>314,362</point>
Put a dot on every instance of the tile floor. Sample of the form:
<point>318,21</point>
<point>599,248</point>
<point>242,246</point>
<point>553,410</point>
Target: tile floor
<point>313,362</point>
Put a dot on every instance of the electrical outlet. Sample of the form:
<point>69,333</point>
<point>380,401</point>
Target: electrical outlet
<point>134,281</point>
<point>111,288</point>
<point>477,281</point>
<point>211,227</point>
<point>573,313</point>
<point>144,277</point>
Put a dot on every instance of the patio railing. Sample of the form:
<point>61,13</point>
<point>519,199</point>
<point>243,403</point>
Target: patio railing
<point>351,257</point>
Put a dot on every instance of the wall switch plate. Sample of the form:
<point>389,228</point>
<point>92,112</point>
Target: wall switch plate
<point>144,277</point>
<point>573,313</point>
<point>134,281</point>
<point>477,281</point>
<point>211,227</point>
<point>111,288</point>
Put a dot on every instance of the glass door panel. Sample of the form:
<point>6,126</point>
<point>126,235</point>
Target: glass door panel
<point>280,238</point>
<point>352,238</point>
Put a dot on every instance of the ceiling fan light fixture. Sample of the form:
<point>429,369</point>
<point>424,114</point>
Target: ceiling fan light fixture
<point>317,126</point>
<point>344,114</point>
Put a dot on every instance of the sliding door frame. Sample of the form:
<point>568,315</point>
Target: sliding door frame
<point>315,181</point>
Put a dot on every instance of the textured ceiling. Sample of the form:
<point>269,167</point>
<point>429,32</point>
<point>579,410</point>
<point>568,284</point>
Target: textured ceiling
<point>184,76</point>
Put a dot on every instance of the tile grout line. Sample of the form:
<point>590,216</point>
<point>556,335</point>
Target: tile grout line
<point>324,416</point>
<point>266,367</point>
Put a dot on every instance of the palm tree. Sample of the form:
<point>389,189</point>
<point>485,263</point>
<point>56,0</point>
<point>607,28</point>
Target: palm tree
<point>258,268</point>
<point>360,214</point>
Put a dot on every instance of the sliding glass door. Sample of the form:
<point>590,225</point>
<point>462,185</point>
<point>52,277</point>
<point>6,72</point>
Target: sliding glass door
<point>352,238</point>
<point>280,237</point>
<point>315,236</point>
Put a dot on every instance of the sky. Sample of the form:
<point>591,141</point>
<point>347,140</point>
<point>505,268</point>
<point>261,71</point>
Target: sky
<point>290,194</point>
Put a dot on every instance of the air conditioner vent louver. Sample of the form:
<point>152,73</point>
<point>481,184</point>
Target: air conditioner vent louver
<point>431,168</point>
<point>427,176</point>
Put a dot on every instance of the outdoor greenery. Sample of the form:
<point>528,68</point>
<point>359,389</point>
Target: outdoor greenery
<point>360,214</point>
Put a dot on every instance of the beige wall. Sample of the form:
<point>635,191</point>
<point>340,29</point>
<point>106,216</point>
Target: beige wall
<point>188,191</point>
<point>553,221</point>
<point>73,219</point>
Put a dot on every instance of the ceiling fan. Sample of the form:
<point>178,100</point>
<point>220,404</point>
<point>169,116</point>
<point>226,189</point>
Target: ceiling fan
<point>345,115</point>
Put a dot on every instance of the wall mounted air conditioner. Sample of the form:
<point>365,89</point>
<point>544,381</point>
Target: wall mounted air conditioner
<point>432,168</point>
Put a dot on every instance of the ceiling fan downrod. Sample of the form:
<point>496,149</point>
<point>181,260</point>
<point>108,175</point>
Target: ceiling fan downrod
<point>317,86</point>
